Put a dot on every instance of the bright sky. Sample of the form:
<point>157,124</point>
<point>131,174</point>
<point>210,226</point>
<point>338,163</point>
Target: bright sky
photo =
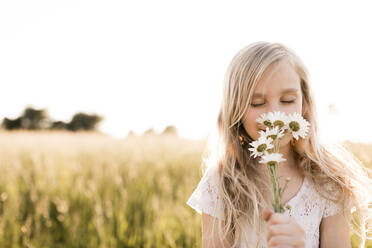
<point>149,64</point>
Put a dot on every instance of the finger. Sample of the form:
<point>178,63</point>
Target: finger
<point>279,229</point>
<point>278,240</point>
<point>277,218</point>
<point>266,213</point>
<point>281,246</point>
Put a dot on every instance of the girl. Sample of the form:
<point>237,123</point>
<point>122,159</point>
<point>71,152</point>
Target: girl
<point>235,190</point>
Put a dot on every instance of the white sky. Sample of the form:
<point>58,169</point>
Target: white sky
<point>143,64</point>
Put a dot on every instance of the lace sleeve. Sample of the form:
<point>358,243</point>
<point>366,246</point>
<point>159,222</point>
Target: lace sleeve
<point>331,208</point>
<point>205,197</point>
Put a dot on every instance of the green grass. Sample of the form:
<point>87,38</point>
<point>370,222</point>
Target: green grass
<point>58,189</point>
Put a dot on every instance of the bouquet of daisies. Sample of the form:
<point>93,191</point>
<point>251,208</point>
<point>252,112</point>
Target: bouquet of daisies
<point>267,146</point>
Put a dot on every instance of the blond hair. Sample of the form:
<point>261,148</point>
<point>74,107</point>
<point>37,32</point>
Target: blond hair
<point>240,179</point>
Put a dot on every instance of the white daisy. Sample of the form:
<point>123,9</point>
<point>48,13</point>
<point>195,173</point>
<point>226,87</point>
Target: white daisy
<point>273,119</point>
<point>280,119</point>
<point>260,146</point>
<point>265,119</point>
<point>272,158</point>
<point>297,125</point>
<point>273,133</point>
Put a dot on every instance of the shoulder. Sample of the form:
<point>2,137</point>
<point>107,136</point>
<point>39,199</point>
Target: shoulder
<point>321,199</point>
<point>334,198</point>
<point>206,197</point>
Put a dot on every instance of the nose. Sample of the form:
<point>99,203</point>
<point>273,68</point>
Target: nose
<point>273,107</point>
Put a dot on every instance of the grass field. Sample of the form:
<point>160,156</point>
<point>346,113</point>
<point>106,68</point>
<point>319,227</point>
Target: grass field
<point>60,189</point>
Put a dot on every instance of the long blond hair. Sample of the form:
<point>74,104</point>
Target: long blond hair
<point>240,181</point>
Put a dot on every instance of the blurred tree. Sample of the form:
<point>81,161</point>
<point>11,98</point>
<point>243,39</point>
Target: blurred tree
<point>10,124</point>
<point>58,125</point>
<point>131,133</point>
<point>35,119</point>
<point>81,121</point>
<point>170,130</point>
<point>32,119</point>
<point>149,131</point>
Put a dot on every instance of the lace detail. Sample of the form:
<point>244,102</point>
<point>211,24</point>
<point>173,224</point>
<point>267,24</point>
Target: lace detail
<point>307,208</point>
<point>206,196</point>
<point>331,209</point>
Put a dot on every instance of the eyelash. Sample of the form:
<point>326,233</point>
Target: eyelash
<point>257,105</point>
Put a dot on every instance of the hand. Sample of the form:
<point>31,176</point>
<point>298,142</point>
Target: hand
<point>283,231</point>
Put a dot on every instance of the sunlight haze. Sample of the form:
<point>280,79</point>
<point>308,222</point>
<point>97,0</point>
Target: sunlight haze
<point>150,64</point>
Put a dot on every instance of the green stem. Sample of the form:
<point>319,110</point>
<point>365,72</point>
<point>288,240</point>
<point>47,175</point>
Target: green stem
<point>275,183</point>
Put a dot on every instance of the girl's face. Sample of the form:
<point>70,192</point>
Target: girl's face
<point>278,89</point>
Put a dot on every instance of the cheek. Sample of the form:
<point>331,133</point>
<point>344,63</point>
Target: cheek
<point>250,123</point>
<point>294,108</point>
<point>299,107</point>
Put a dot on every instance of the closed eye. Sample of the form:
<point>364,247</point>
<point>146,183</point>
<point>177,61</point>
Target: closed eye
<point>286,102</point>
<point>256,105</point>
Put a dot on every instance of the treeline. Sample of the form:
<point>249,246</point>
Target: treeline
<point>169,130</point>
<point>38,119</point>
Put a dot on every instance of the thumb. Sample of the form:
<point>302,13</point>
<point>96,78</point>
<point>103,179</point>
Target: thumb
<point>266,214</point>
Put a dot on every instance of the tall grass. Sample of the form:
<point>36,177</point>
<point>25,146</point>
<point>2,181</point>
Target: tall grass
<point>59,189</point>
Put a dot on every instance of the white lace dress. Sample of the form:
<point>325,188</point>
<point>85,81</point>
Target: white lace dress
<point>307,207</point>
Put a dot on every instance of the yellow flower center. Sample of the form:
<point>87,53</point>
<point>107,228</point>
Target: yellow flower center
<point>278,123</point>
<point>267,123</point>
<point>261,148</point>
<point>294,126</point>
<point>273,136</point>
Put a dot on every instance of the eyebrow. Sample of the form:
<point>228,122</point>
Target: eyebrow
<point>289,90</point>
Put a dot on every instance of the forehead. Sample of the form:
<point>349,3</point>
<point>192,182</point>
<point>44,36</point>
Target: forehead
<point>278,78</point>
